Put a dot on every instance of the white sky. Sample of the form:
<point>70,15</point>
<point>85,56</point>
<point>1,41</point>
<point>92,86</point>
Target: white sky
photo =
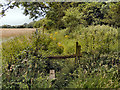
<point>14,17</point>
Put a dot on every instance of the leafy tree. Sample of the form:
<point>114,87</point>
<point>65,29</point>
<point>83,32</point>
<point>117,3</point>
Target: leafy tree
<point>73,17</point>
<point>34,9</point>
<point>6,26</point>
<point>84,13</point>
<point>47,23</point>
<point>92,12</point>
<point>56,12</point>
<point>112,14</point>
<point>30,25</point>
<point>53,11</point>
<point>89,12</point>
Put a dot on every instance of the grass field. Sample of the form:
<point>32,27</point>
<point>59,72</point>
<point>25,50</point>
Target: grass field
<point>6,33</point>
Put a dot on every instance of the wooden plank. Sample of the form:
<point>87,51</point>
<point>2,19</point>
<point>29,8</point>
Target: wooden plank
<point>63,57</point>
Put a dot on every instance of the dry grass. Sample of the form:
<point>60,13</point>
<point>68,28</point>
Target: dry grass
<point>6,33</point>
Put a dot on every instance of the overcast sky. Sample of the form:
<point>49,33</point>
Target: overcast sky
<point>14,17</point>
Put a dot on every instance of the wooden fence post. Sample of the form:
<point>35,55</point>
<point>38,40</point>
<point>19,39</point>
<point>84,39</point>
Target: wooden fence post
<point>76,53</point>
<point>79,49</point>
<point>77,58</point>
<point>36,31</point>
<point>44,28</point>
<point>52,74</point>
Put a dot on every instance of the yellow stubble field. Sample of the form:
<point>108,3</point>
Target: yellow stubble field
<point>11,32</point>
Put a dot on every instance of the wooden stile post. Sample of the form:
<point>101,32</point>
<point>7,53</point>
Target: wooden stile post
<point>52,74</point>
<point>43,29</point>
<point>76,53</point>
<point>43,26</point>
<point>79,49</point>
<point>36,31</point>
<point>77,58</point>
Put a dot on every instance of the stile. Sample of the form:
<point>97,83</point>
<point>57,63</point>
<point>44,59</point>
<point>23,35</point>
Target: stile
<point>76,56</point>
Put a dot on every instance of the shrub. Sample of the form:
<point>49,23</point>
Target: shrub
<point>46,23</point>
<point>26,64</point>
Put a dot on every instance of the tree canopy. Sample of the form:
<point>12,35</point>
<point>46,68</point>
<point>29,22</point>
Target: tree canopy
<point>65,14</point>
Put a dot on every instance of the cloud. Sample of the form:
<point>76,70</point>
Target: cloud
<point>14,17</point>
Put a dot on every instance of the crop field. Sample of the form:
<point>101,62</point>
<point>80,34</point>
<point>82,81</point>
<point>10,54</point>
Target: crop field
<point>6,33</point>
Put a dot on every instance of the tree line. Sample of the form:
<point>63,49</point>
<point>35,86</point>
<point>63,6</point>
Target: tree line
<point>25,25</point>
<point>60,15</point>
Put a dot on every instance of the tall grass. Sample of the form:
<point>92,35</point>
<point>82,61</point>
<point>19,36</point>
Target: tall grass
<point>102,39</point>
<point>12,47</point>
<point>33,50</point>
<point>98,66</point>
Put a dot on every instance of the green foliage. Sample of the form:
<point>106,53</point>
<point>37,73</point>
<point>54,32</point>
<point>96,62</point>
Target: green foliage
<point>12,47</point>
<point>26,72</point>
<point>93,39</point>
<point>73,18</point>
<point>92,13</point>
<point>25,25</point>
<point>38,24</point>
<point>112,14</point>
<point>100,38</point>
<point>46,23</point>
<point>87,13</point>
<point>26,66</point>
<point>29,61</point>
<point>63,77</point>
<point>25,62</point>
<point>56,13</point>
<point>97,74</point>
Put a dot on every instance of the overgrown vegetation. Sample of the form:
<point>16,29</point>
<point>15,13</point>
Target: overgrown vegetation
<point>26,65</point>
<point>94,25</point>
<point>64,15</point>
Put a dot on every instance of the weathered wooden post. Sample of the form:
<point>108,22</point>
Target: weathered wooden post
<point>44,28</point>
<point>52,75</point>
<point>77,58</point>
<point>76,53</point>
<point>36,31</point>
<point>119,71</point>
<point>79,49</point>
